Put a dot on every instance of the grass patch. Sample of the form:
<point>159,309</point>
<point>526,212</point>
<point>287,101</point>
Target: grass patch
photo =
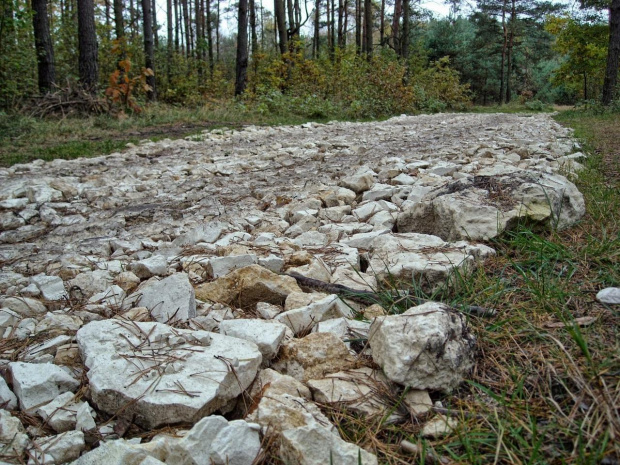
<point>24,139</point>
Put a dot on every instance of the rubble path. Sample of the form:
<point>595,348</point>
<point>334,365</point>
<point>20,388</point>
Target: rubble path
<point>118,271</point>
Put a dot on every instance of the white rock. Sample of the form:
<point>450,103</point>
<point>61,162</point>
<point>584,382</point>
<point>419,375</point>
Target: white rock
<point>36,384</point>
<point>610,295</point>
<point>267,311</point>
<point>55,450</point>
<point>157,265</point>
<point>418,402</point>
<point>365,240</point>
<point>143,368</point>
<point>214,440</point>
<point>312,445</point>
<point>358,183</point>
<point>51,287</point>
<point>379,192</point>
<point>304,318</point>
<point>171,299</point>
<point>60,414</point>
<point>345,328</point>
<point>8,401</point>
<point>267,335</point>
<point>59,322</point>
<point>426,347</point>
<point>272,263</point>
<point>221,266</point>
<point>13,438</point>
<point>119,452</point>
<point>92,282</point>
<point>209,232</point>
<point>439,426</point>
<point>85,417</point>
<point>270,382</point>
<point>42,194</point>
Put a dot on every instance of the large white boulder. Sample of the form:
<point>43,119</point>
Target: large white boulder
<point>426,347</point>
<point>164,375</point>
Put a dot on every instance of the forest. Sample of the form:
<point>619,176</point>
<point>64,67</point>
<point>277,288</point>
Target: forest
<point>354,58</point>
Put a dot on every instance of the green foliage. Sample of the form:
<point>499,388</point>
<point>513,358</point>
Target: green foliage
<point>583,44</point>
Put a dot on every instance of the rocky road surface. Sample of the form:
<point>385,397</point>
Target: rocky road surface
<point>125,278</point>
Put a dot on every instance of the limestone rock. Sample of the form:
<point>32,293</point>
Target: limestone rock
<point>483,207</point>
<point>171,299</point>
<point>221,266</point>
<point>145,368</point>
<point>247,286</point>
<point>51,287</point>
<point>610,295</point>
<point>8,401</point>
<point>36,384</point>
<point>438,426</point>
<point>420,258</point>
<point>426,347</point>
<point>312,445</point>
<point>267,335</point>
<point>56,450</point>
<point>157,265</point>
<point>314,356</point>
<point>361,390</point>
<point>305,318</point>
<point>13,438</point>
<point>272,382</point>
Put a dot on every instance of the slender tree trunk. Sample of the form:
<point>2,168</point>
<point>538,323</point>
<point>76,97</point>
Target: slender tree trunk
<point>254,35</point>
<point>177,26</point>
<point>198,49</point>
<point>504,50</point>
<point>217,33</point>
<point>169,41</point>
<point>382,25</point>
<point>358,26</point>
<point>340,24</point>
<point>242,48</point>
<point>132,19</point>
<point>404,46</point>
<point>281,23</point>
<point>317,26</point>
<point>329,31</point>
<point>368,27</point>
<point>613,54</point>
<point>149,54</point>
<point>188,49</point>
<point>155,27</point>
<point>398,11</point>
<point>87,43</point>
<point>43,46</point>
<point>511,35</point>
<point>209,36</point>
<point>333,25</point>
<point>345,28</point>
<point>108,23</point>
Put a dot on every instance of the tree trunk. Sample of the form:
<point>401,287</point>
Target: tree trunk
<point>358,25</point>
<point>404,44</point>
<point>281,23</point>
<point>329,32</point>
<point>368,27</point>
<point>108,23</point>
<point>398,11</point>
<point>188,50</point>
<point>155,27</point>
<point>242,47</point>
<point>217,32</point>
<point>209,37</point>
<point>340,24</point>
<point>382,25</point>
<point>169,41</point>
<point>87,43</point>
<point>317,26</point>
<point>504,49</point>
<point>177,26</point>
<point>43,45</point>
<point>511,35</point>
<point>254,36</point>
<point>199,39</point>
<point>613,54</point>
<point>333,26</point>
<point>345,28</point>
<point>149,54</point>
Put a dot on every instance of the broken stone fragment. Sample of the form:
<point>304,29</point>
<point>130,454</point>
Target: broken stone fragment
<point>303,319</point>
<point>171,299</point>
<point>312,445</point>
<point>610,295</point>
<point>426,347</point>
<point>36,384</point>
<point>247,286</point>
<point>56,450</point>
<point>157,265</point>
<point>13,438</point>
<point>267,335</point>
<point>314,356</point>
<point>8,401</point>
<point>163,375</point>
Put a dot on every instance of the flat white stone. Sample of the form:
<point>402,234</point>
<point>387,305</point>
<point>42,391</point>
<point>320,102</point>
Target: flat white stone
<point>51,287</point>
<point>36,384</point>
<point>267,335</point>
<point>164,375</point>
<point>610,295</point>
<point>171,299</point>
